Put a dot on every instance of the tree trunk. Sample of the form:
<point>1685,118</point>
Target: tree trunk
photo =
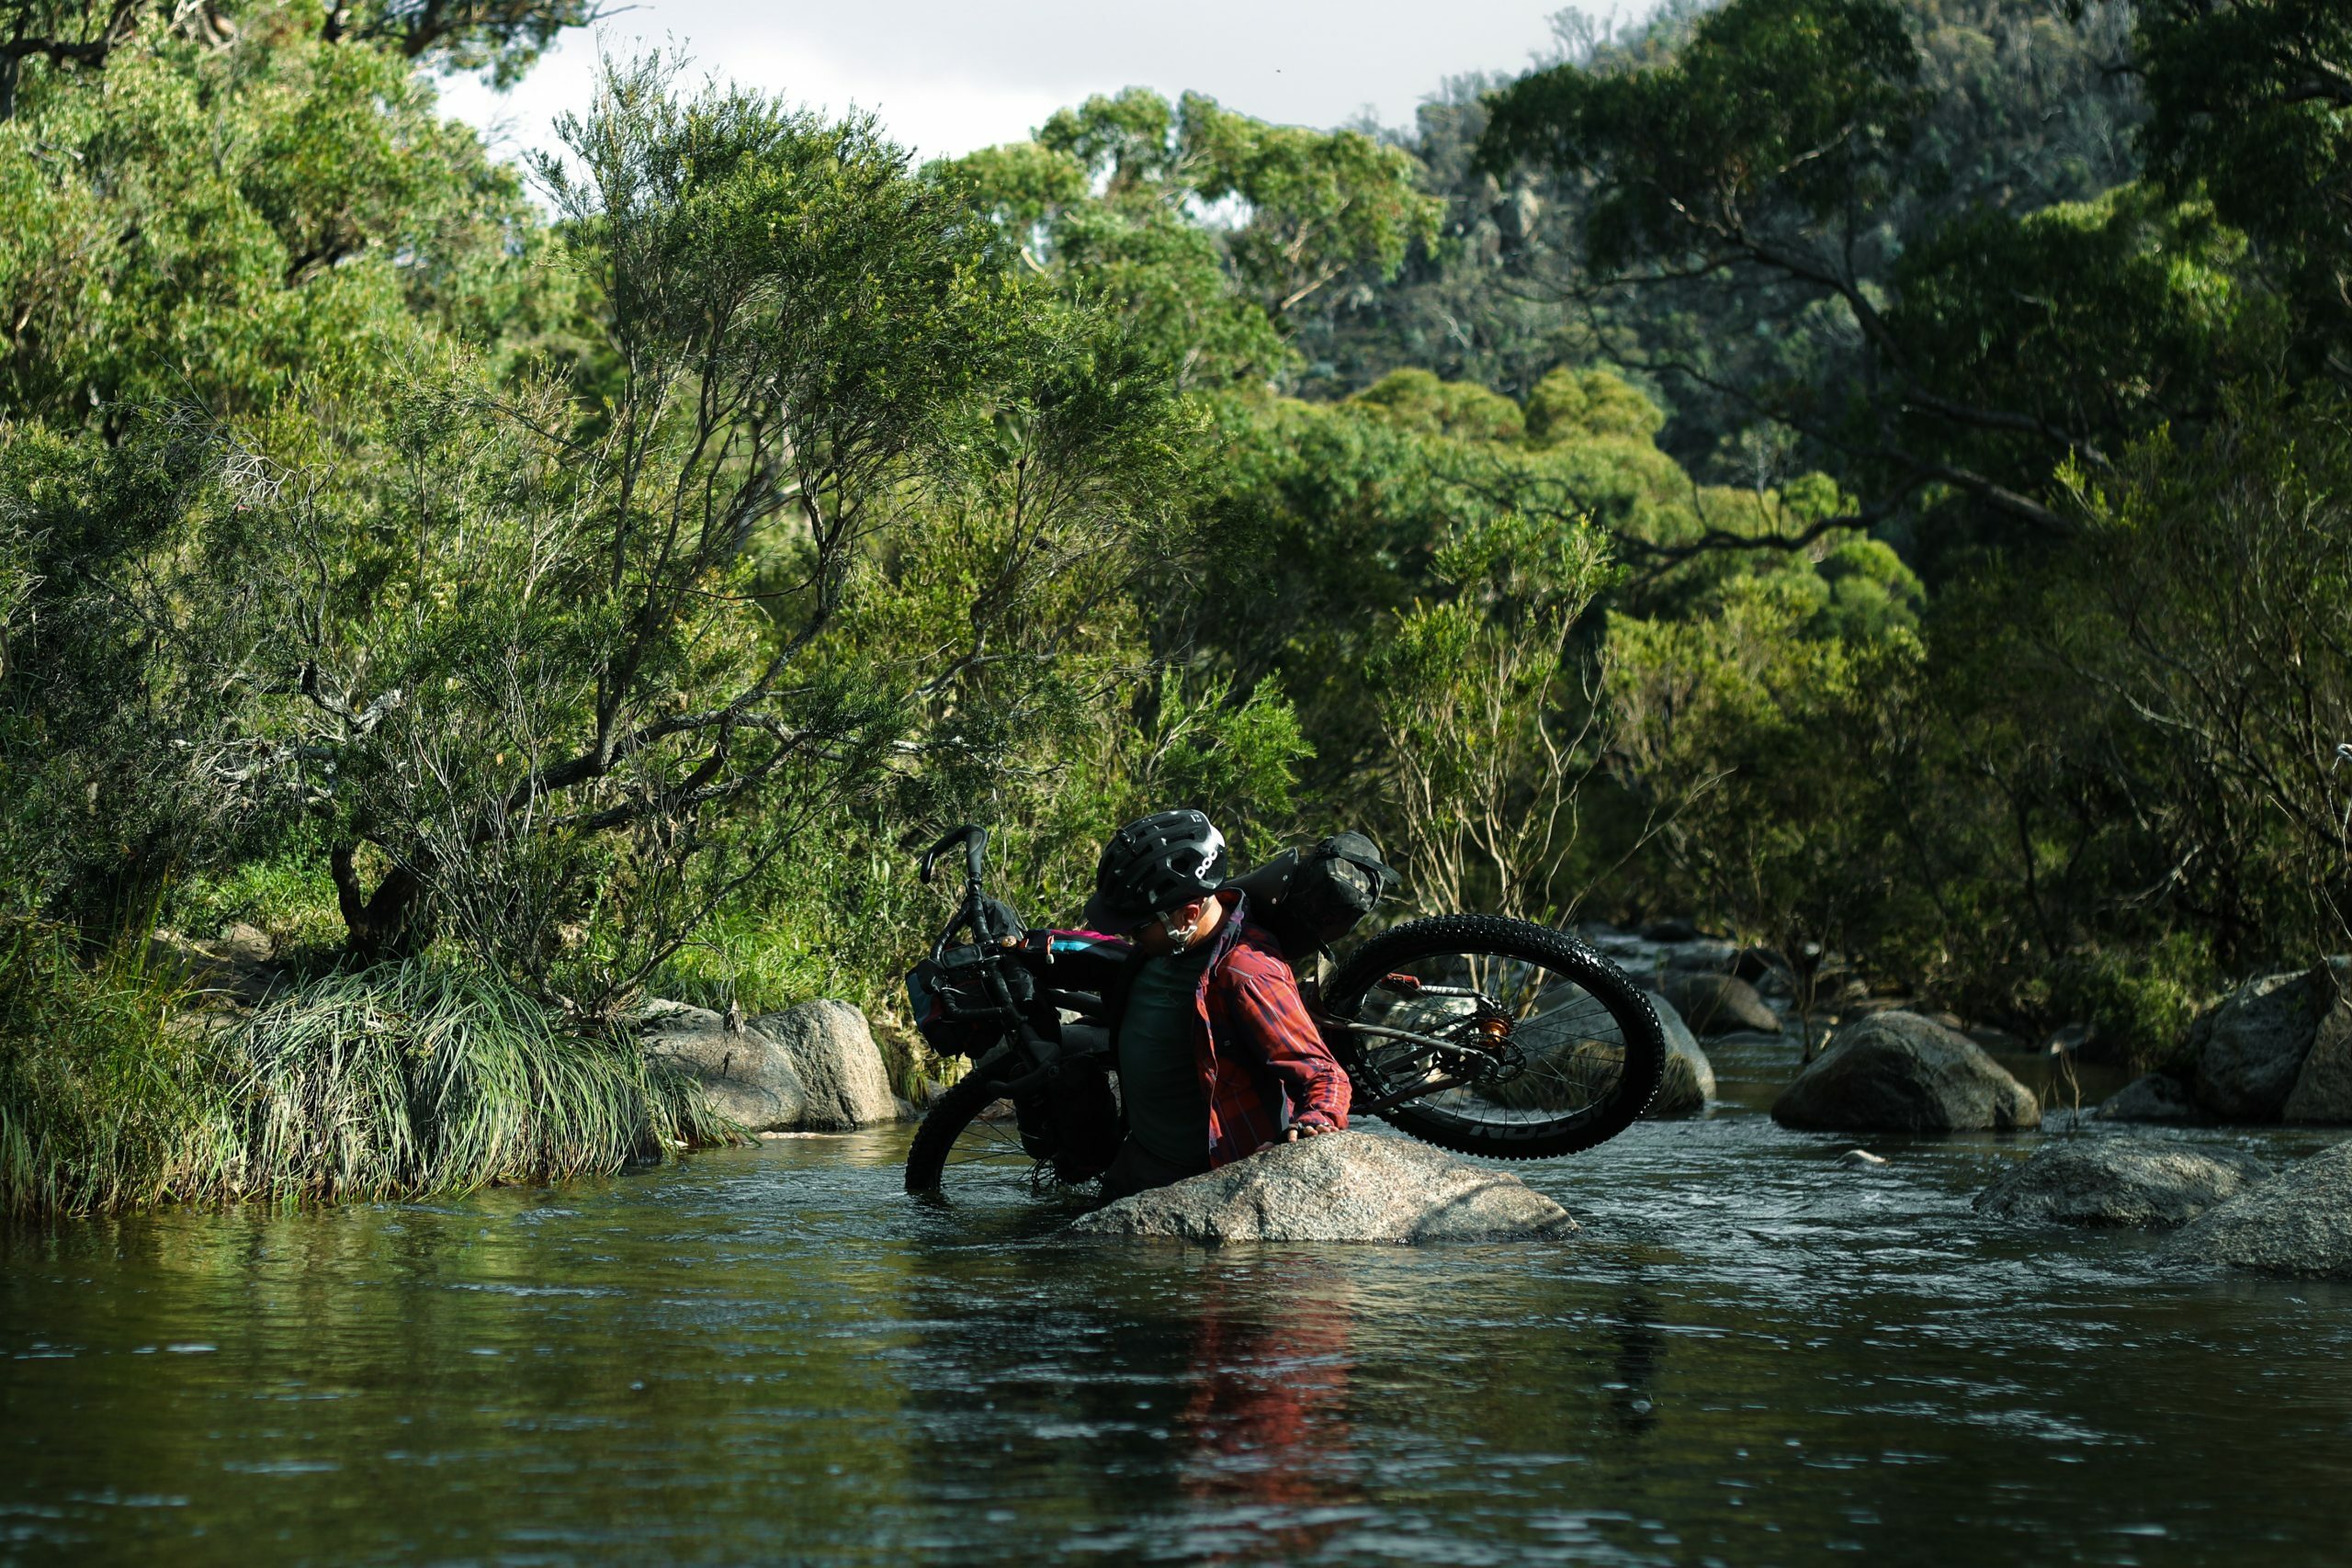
<point>395,921</point>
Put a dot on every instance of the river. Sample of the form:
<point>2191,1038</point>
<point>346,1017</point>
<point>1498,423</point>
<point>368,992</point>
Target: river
<point>1752,1355</point>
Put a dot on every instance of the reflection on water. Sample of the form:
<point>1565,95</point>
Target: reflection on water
<point>1751,1355</point>
<point>1267,1421</point>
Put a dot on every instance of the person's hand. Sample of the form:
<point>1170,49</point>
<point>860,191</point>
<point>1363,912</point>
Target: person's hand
<point>1302,1130</point>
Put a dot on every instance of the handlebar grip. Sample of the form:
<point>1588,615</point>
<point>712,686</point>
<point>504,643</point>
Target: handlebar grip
<point>963,835</point>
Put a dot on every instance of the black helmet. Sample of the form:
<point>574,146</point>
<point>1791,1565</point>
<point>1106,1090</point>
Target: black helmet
<point>1153,864</point>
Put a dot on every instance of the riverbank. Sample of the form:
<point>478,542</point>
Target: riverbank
<point>142,1079</point>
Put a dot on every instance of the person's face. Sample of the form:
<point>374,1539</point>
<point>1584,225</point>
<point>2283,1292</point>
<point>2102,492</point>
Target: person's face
<point>1172,932</point>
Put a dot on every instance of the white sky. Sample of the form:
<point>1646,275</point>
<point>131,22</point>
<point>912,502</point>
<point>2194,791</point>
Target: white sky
<point>947,76</point>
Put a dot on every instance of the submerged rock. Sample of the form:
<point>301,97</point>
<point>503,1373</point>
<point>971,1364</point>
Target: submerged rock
<point>1339,1187</point>
<point>2119,1181</point>
<point>2297,1222</point>
<point>831,1050</point>
<point>2158,1097</point>
<point>1860,1159</point>
<point>1897,1072</point>
<point>744,1074</point>
<point>2250,1047</point>
<point>1689,1080</point>
<point>1717,1004</point>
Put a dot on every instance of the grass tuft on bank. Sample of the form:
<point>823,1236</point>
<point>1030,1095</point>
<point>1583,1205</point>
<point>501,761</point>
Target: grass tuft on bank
<point>116,1090</point>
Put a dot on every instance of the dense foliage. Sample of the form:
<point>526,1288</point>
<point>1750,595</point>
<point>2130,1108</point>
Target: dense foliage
<point>1868,473</point>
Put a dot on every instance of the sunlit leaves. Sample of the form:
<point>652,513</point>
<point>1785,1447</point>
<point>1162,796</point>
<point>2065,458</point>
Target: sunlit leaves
<point>1204,228</point>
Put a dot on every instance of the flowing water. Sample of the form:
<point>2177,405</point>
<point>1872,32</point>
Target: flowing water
<point>1753,1354</point>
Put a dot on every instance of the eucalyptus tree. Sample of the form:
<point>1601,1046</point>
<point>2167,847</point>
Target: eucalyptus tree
<point>501,37</point>
<point>2252,110</point>
<point>553,661</point>
<point>1781,157</point>
<point>212,223</point>
<point>1212,232</point>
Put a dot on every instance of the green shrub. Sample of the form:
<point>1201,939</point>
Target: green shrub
<point>419,1077</point>
<point>288,894</point>
<point>2138,1001</point>
<point>103,1103</point>
<point>405,1079</point>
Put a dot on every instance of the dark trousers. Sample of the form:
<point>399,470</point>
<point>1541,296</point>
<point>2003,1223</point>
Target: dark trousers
<point>1136,1170</point>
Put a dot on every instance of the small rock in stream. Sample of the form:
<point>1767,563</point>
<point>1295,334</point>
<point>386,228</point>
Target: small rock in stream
<point>1717,1004</point>
<point>1689,1080</point>
<point>1860,1157</point>
<point>1349,1186</point>
<point>2119,1181</point>
<point>2156,1096</point>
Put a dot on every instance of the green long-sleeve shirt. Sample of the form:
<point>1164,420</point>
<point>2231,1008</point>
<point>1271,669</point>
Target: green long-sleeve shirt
<point>1159,1082</point>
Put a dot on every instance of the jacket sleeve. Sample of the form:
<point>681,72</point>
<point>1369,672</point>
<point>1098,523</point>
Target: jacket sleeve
<point>1079,961</point>
<point>1273,1017</point>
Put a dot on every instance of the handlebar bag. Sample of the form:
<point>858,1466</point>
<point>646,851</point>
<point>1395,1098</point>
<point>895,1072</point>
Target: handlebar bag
<point>953,1007</point>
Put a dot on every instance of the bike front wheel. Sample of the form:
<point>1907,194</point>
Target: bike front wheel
<point>971,1131</point>
<point>1512,1040</point>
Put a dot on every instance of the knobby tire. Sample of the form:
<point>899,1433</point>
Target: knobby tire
<point>944,1122</point>
<point>1445,935</point>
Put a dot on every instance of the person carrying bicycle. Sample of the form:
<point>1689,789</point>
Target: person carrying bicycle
<point>1215,1052</point>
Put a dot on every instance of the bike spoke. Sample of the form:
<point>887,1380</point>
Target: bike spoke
<point>991,1139</point>
<point>1536,1044</point>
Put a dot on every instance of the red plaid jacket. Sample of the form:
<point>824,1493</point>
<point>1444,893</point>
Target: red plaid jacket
<point>1262,1063</point>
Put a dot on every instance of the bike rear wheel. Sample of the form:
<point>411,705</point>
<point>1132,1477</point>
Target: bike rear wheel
<point>1556,1048</point>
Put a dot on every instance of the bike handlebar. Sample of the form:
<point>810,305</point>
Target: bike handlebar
<point>969,910</point>
<point>975,839</point>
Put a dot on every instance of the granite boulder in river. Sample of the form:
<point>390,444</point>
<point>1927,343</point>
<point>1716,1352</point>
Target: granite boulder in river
<point>1556,1080</point>
<point>2251,1048</point>
<point>2297,1222</point>
<point>1338,1187</point>
<point>813,1068</point>
<point>1717,1004</point>
<point>1896,1072</point>
<point>2323,1090</point>
<point>2119,1181</point>
<point>831,1050</point>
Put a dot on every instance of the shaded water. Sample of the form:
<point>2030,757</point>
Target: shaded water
<point>1752,1355</point>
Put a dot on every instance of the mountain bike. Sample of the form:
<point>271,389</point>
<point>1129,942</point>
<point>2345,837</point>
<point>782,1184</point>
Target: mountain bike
<point>1475,1033</point>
